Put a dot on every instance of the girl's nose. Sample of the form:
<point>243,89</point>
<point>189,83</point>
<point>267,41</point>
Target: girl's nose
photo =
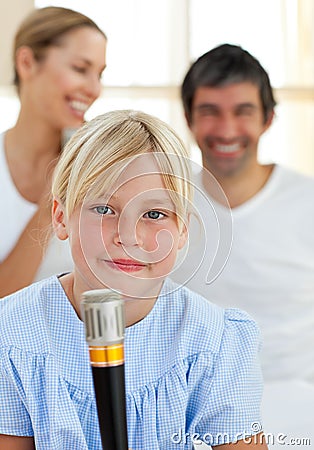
<point>128,234</point>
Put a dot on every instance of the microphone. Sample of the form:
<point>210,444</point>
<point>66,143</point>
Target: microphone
<point>103,315</point>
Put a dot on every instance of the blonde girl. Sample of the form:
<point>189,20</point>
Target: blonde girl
<point>122,197</point>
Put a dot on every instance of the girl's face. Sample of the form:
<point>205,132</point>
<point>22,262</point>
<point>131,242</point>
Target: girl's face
<point>128,240</point>
<point>62,86</point>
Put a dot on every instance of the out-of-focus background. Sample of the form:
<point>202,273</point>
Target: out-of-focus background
<point>152,43</point>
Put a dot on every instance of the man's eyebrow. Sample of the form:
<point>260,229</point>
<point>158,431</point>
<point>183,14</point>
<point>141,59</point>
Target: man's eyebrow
<point>246,105</point>
<point>216,106</point>
<point>205,105</point>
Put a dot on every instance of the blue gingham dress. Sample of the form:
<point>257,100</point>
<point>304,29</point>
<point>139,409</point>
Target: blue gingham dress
<point>192,372</point>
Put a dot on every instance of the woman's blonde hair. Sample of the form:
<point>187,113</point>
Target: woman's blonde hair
<point>98,153</point>
<point>44,27</point>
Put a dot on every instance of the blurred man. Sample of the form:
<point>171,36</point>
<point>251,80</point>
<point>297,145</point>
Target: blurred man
<point>263,257</point>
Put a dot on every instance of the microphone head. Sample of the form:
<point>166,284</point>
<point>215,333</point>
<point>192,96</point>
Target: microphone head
<point>103,315</point>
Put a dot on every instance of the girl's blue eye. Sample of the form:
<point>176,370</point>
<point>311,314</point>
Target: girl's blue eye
<point>154,215</point>
<point>103,210</point>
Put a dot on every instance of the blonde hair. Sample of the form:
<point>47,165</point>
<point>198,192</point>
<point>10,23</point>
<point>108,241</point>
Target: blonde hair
<point>97,154</point>
<point>44,27</point>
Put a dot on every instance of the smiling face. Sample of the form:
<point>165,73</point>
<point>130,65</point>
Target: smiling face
<point>60,88</point>
<point>227,123</point>
<point>128,239</point>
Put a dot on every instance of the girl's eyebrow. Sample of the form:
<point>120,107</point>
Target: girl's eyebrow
<point>153,202</point>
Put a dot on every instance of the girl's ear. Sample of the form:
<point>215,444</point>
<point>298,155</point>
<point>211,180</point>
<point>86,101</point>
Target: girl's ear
<point>184,233</point>
<point>58,220</point>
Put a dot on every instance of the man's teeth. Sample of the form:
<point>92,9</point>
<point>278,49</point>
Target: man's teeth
<point>227,148</point>
<point>80,106</point>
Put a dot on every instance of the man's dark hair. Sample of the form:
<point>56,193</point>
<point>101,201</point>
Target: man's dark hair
<point>225,65</point>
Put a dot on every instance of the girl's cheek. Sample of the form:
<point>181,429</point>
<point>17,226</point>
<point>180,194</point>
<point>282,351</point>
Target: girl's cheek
<point>161,244</point>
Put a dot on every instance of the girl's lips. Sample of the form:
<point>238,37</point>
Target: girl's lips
<point>126,265</point>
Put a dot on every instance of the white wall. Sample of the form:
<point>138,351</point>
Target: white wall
<point>11,14</point>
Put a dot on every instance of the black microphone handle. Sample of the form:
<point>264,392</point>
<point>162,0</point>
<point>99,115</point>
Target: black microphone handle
<point>109,386</point>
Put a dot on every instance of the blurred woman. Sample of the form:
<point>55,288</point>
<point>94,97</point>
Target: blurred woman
<point>59,56</point>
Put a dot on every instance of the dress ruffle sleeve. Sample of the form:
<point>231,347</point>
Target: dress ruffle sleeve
<point>232,411</point>
<point>40,401</point>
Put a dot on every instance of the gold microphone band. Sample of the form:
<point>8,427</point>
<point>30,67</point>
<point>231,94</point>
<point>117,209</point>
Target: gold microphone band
<point>107,356</point>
